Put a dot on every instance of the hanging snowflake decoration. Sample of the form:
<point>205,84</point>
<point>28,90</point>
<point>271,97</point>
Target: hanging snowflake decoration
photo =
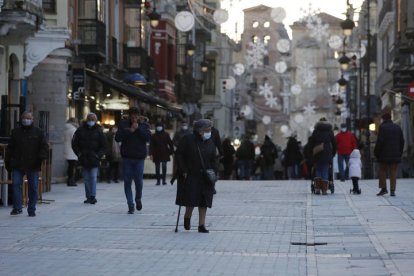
<point>255,54</point>
<point>271,101</point>
<point>283,45</point>
<point>266,90</point>
<point>335,42</point>
<point>220,16</point>
<point>238,69</point>
<point>314,23</point>
<point>317,29</point>
<point>284,129</point>
<point>309,109</point>
<point>278,14</point>
<point>306,74</point>
<point>281,67</point>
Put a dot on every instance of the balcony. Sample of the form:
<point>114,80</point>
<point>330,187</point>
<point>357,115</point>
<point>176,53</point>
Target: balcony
<point>92,37</point>
<point>20,18</point>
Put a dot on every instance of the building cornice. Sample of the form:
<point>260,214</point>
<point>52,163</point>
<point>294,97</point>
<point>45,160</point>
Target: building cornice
<point>42,44</point>
<point>386,23</point>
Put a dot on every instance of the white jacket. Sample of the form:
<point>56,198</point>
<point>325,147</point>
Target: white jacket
<point>355,164</point>
<point>68,153</point>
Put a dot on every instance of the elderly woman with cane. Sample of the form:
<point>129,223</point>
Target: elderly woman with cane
<point>196,161</point>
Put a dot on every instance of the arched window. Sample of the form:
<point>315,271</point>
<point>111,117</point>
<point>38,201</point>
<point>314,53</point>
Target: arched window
<point>255,24</point>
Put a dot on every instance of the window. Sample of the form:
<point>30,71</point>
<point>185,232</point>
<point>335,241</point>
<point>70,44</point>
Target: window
<point>255,24</point>
<point>266,24</point>
<point>92,9</point>
<point>210,77</point>
<point>266,39</point>
<point>255,39</point>
<point>49,6</point>
<point>87,9</point>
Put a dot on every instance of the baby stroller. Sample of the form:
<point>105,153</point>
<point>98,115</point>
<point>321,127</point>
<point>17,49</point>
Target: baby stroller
<point>318,185</point>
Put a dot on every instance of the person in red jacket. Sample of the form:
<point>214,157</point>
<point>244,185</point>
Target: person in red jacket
<point>345,144</point>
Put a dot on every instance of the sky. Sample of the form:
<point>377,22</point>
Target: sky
<point>294,11</point>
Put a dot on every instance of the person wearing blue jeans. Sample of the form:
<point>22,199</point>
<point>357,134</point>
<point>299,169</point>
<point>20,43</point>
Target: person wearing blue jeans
<point>89,177</point>
<point>89,144</point>
<point>133,133</point>
<point>25,152</point>
<point>133,169</point>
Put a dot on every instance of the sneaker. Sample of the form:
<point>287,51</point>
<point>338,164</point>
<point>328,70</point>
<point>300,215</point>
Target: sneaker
<point>392,193</point>
<point>139,205</point>
<point>16,212</point>
<point>92,200</point>
<point>382,192</point>
<point>32,214</point>
<point>131,209</point>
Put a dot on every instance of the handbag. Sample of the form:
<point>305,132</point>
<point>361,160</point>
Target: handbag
<point>317,149</point>
<point>210,174</point>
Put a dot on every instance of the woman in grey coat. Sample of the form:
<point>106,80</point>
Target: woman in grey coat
<point>194,189</point>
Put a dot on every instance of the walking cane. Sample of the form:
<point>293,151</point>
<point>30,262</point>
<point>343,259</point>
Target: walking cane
<point>178,218</point>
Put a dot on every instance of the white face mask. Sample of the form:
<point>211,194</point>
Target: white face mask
<point>343,129</point>
<point>184,127</point>
<point>206,135</point>
<point>27,122</point>
<point>90,123</point>
<point>158,128</point>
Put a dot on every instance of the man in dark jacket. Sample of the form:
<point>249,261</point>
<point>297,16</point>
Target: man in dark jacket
<point>245,155</point>
<point>89,144</point>
<point>133,134</point>
<point>161,147</point>
<point>323,134</point>
<point>26,150</point>
<point>388,151</point>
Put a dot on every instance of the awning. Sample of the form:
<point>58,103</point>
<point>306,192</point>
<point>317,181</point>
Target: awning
<point>132,91</point>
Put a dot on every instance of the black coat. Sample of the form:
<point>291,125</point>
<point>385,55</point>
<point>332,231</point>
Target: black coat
<point>323,133</point>
<point>246,151</point>
<point>194,190</point>
<point>133,144</point>
<point>161,146</point>
<point>293,155</point>
<point>89,144</point>
<point>390,143</point>
<point>26,149</point>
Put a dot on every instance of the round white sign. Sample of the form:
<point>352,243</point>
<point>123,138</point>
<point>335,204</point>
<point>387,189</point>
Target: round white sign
<point>238,69</point>
<point>184,21</point>
<point>266,119</point>
<point>283,45</point>
<point>220,16</point>
<point>280,66</point>
<point>296,89</point>
<point>278,14</point>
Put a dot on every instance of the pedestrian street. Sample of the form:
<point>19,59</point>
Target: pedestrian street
<point>256,228</point>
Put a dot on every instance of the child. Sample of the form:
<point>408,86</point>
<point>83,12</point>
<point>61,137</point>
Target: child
<point>355,170</point>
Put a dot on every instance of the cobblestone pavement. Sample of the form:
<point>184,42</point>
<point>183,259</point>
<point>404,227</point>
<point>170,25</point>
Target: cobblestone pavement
<point>256,228</point>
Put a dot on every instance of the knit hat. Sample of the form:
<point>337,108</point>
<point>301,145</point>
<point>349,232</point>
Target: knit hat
<point>202,124</point>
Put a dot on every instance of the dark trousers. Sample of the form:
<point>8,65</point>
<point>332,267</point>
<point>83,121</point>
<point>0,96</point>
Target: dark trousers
<point>355,183</point>
<point>71,171</point>
<point>113,171</point>
<point>163,165</point>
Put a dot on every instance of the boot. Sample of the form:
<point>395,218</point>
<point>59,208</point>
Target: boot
<point>317,183</point>
<point>131,208</point>
<point>324,186</point>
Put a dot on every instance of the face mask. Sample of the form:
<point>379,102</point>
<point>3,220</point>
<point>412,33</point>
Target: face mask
<point>206,135</point>
<point>343,129</point>
<point>158,128</point>
<point>184,127</point>
<point>91,123</point>
<point>27,122</point>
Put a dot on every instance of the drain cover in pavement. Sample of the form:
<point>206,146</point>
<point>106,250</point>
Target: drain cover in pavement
<point>309,244</point>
